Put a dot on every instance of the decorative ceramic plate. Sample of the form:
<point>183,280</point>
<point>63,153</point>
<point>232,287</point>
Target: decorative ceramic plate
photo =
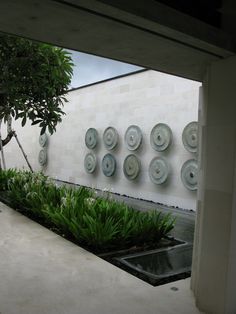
<point>133,137</point>
<point>90,162</point>
<point>43,139</point>
<point>160,137</point>
<point>91,138</point>
<point>42,158</point>
<point>108,165</point>
<point>131,167</point>
<point>189,174</point>
<point>158,170</point>
<point>110,138</point>
<point>189,137</point>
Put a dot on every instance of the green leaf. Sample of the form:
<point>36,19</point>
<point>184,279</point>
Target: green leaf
<point>36,122</point>
<point>43,130</point>
<point>34,78</point>
<point>23,122</point>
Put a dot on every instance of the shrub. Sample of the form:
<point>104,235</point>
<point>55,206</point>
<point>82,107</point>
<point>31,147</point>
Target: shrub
<point>5,176</point>
<point>97,222</point>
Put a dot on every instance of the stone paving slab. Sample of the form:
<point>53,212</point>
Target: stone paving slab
<point>42,273</point>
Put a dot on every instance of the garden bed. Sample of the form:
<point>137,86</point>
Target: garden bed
<point>107,228</point>
<point>107,254</point>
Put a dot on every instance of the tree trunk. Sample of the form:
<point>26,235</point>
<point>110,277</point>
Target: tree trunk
<point>3,104</point>
<point>10,133</point>
<point>1,147</point>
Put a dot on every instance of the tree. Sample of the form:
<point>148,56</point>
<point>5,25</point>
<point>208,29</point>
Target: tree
<point>34,78</point>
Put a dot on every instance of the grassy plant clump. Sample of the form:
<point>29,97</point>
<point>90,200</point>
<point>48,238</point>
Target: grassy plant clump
<point>99,223</point>
<point>5,176</point>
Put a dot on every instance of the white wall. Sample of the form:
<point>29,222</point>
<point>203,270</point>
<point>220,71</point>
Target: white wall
<point>28,138</point>
<point>214,258</point>
<point>143,99</point>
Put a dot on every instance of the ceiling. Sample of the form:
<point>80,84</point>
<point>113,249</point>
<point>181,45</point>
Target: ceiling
<point>146,33</point>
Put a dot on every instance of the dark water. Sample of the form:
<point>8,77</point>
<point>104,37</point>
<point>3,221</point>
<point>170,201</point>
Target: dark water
<point>162,263</point>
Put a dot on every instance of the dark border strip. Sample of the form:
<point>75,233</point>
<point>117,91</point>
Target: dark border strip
<point>78,7</point>
<point>109,79</point>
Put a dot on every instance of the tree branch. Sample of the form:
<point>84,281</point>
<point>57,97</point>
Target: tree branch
<point>7,139</point>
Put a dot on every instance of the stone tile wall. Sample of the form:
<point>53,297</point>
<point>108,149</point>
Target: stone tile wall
<point>143,99</point>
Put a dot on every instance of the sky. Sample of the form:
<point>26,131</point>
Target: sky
<point>89,69</point>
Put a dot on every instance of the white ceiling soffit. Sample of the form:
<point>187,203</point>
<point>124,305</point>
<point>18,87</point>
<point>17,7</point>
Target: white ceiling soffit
<point>104,30</point>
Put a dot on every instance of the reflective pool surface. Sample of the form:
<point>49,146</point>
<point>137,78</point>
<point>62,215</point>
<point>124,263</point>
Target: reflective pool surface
<point>161,263</point>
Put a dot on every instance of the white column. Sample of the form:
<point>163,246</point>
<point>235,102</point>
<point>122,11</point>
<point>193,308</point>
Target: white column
<point>214,258</point>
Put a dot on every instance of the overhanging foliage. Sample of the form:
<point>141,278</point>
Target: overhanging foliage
<point>34,79</point>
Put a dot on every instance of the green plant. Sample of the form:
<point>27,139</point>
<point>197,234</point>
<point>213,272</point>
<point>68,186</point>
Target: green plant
<point>99,223</point>
<point>71,207</point>
<point>5,176</point>
<point>98,233</point>
<point>34,80</point>
<point>18,188</point>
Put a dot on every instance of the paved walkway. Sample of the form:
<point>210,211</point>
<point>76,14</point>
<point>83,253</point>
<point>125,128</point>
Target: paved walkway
<point>42,273</point>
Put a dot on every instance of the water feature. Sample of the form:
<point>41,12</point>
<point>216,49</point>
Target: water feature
<point>160,265</point>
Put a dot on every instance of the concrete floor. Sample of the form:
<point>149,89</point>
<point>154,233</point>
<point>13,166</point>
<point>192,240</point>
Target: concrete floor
<point>40,272</point>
